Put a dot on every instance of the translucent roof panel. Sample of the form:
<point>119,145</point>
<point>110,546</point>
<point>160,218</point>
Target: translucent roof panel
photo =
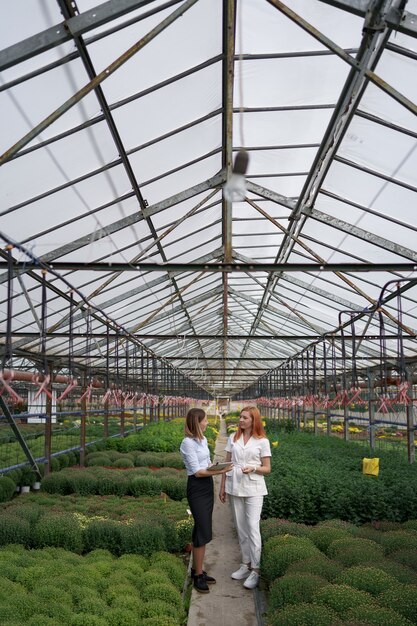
<point>122,122</point>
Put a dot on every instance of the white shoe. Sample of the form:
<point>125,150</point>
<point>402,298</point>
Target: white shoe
<point>252,581</point>
<point>241,573</point>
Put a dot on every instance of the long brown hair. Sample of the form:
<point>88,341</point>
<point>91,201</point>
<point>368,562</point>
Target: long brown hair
<point>192,423</point>
<point>257,426</point>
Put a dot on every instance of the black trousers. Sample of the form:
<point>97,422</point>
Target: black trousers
<point>200,496</point>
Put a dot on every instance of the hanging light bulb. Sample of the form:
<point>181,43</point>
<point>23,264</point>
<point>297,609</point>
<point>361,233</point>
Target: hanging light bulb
<point>235,187</point>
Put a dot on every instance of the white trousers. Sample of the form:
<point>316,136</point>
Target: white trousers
<point>247,514</point>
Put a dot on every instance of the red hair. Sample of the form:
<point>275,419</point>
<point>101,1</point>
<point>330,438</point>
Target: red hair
<point>257,426</point>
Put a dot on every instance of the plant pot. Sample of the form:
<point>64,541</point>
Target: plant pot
<point>24,489</point>
<point>36,485</point>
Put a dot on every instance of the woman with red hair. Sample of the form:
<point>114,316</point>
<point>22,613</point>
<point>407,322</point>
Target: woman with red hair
<point>249,450</point>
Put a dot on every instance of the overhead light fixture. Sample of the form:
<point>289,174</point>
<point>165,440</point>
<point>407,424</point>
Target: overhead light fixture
<point>235,187</point>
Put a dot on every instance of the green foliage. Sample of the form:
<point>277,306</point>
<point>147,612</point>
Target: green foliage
<point>156,437</point>
<point>175,487</point>
<point>27,476</point>
<point>153,578</point>
<point>129,602</point>
<point>103,534</point>
<point>323,536</point>
<point>49,592</point>
<point>172,566</point>
<point>367,578</point>
<point>98,458</point>
<point>395,540</point>
<point>406,557</point>
<point>400,572</point>
<point>280,551</point>
<point>293,589</point>
<point>56,482</point>
<point>85,619</point>
<point>93,605</point>
<point>41,620</point>
<point>273,526</point>
<point>64,460</point>
<point>134,563</point>
<point>142,538</point>
<point>58,530</point>
<point>162,591</point>
<point>145,485</point>
<point>352,551</point>
<point>313,479</point>
<point>402,599</point>
<point>377,616</point>
<point>158,608</point>
<point>160,620</point>
<point>7,487</point>
<point>117,589</point>
<point>123,463</point>
<point>303,614</point>
<point>341,598</point>
<point>317,565</point>
<point>121,617</point>
<point>411,524</point>
<point>14,530</point>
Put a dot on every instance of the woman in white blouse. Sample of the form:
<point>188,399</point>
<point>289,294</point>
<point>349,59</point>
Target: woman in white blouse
<point>200,493</point>
<point>249,450</point>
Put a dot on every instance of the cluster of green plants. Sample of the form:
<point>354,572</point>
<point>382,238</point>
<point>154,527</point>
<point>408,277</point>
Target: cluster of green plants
<point>82,529</point>
<point>135,458</point>
<point>336,573</point>
<point>37,504</point>
<point>159,437</point>
<point>102,481</point>
<point>316,478</point>
<point>55,587</point>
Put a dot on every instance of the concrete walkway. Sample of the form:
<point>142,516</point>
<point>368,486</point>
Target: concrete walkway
<point>228,602</point>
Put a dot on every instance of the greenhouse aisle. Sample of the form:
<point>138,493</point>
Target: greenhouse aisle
<point>228,602</point>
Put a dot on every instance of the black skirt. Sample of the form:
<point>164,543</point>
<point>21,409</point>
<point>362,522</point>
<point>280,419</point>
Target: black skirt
<point>200,496</point>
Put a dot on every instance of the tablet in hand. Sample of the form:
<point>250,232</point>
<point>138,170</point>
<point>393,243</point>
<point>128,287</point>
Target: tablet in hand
<point>218,466</point>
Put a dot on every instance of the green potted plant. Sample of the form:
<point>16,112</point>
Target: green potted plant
<point>27,479</point>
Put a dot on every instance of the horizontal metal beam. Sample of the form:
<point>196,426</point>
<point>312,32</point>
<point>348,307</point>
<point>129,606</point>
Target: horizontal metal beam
<point>214,267</point>
<point>193,337</point>
<point>65,31</point>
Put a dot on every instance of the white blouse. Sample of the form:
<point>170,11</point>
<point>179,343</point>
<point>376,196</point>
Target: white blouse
<point>252,484</point>
<point>195,454</point>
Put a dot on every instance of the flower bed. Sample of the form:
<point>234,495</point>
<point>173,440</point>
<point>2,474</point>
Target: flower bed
<point>327,574</point>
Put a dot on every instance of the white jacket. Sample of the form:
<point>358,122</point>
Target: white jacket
<point>252,484</point>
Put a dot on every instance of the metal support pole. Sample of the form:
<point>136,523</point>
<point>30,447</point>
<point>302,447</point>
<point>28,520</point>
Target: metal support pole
<point>411,450</point>
<point>328,422</point>
<point>106,419</point>
<point>48,427</point>
<point>346,422</point>
<point>83,422</point>
<point>371,409</point>
<point>122,417</point>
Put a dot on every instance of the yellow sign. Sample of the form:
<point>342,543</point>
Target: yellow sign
<point>370,467</point>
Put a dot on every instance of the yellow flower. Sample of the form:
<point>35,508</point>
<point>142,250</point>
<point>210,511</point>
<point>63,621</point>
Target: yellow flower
<point>264,423</point>
<point>275,444</point>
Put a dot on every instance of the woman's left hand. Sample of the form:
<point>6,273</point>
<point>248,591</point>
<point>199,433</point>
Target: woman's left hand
<point>248,469</point>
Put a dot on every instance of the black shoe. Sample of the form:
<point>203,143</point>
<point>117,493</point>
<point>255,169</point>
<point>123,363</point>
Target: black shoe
<point>200,584</point>
<point>209,579</point>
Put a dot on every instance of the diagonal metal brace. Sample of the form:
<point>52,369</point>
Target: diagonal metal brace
<point>4,407</point>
